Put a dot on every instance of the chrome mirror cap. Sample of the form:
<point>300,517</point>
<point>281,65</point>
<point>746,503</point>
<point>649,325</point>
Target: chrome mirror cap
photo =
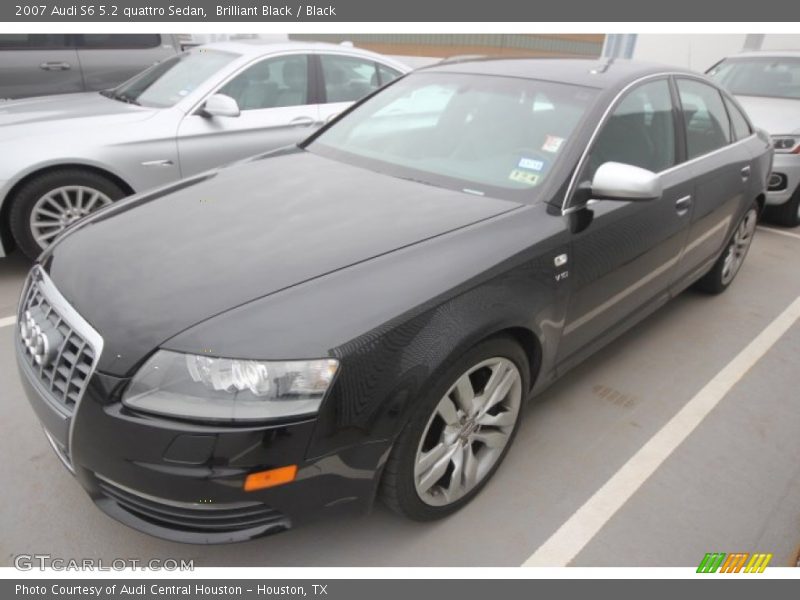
<point>618,181</point>
<point>220,105</point>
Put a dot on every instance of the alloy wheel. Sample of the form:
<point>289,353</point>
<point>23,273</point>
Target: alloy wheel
<point>468,431</point>
<point>60,208</point>
<point>738,247</point>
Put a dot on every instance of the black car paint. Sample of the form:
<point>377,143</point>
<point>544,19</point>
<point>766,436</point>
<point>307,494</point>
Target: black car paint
<point>410,278</point>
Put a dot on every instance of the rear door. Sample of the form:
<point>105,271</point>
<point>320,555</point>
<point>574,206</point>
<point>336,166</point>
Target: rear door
<point>277,103</point>
<point>346,79</point>
<point>108,59</point>
<point>722,164</point>
<point>623,262</point>
<point>38,64</point>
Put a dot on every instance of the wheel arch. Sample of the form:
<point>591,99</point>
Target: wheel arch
<point>6,238</point>
<point>761,200</point>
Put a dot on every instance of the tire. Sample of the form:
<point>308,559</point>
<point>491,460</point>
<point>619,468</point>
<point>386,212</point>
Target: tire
<point>730,261</point>
<point>786,214</point>
<point>50,194</point>
<point>412,486</point>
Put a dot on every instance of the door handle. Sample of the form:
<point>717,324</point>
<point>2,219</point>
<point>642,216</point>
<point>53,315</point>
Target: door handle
<point>745,173</point>
<point>55,66</point>
<point>302,122</point>
<point>682,205</point>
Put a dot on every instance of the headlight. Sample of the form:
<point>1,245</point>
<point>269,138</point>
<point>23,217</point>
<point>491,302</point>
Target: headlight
<point>224,389</point>
<point>786,144</point>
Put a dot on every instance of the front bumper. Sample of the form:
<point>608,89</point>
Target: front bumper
<point>184,481</point>
<point>788,167</point>
<point>167,477</point>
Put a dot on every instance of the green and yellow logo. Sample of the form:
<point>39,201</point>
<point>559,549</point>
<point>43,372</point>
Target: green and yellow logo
<point>719,562</point>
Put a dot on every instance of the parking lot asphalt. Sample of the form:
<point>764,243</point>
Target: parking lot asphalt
<point>732,484</point>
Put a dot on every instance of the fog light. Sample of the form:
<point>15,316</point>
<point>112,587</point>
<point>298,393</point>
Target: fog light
<point>270,478</point>
<point>777,182</point>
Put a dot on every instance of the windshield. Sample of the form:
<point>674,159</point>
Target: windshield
<point>167,82</point>
<point>773,77</point>
<point>497,136</point>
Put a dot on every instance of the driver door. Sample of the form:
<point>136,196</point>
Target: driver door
<point>621,265</point>
<point>277,109</point>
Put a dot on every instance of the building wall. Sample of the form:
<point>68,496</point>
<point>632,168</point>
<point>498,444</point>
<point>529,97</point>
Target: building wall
<point>445,45</point>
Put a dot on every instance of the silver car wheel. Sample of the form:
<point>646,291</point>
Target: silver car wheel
<point>468,431</point>
<point>740,244</point>
<point>61,207</point>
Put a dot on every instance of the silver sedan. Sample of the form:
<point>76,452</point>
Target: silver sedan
<point>66,156</point>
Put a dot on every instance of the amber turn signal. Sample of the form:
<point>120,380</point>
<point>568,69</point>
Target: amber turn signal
<point>270,478</point>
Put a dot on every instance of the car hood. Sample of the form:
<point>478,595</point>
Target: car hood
<point>49,115</point>
<point>152,266</point>
<point>776,115</point>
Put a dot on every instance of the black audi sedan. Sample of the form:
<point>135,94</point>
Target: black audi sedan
<point>365,315</point>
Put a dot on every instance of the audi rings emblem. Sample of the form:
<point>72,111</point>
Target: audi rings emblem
<point>39,337</point>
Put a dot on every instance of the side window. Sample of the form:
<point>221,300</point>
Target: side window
<point>33,41</point>
<point>741,128</point>
<point>707,124</point>
<point>387,74</point>
<point>640,131</point>
<point>110,41</point>
<point>348,79</point>
<point>271,83</point>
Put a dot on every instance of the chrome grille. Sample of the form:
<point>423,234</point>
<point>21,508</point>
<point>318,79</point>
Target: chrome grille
<point>71,363</point>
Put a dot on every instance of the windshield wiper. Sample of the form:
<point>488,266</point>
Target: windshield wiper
<point>121,97</point>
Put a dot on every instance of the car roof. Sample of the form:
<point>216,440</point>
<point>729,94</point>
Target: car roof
<point>599,73</point>
<point>256,47</point>
<point>767,54</point>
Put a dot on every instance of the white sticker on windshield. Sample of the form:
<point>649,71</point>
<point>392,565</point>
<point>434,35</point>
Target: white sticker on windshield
<point>531,164</point>
<point>524,177</point>
<point>552,143</point>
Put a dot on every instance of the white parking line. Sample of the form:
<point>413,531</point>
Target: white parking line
<point>6,321</point>
<point>780,232</point>
<point>577,531</point>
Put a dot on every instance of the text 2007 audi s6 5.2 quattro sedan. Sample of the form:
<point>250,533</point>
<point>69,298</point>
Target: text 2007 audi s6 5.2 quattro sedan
<point>365,315</point>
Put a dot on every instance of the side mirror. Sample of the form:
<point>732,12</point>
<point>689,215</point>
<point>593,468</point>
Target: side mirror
<point>618,181</point>
<point>220,105</point>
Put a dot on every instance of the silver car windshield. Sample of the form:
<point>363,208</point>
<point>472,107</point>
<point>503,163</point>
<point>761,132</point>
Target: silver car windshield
<point>166,83</point>
<point>772,77</point>
<point>498,136</point>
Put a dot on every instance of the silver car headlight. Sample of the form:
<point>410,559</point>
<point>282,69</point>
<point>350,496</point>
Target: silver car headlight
<point>224,389</point>
<point>786,144</point>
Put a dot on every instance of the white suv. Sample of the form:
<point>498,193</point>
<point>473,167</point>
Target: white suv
<point>767,84</point>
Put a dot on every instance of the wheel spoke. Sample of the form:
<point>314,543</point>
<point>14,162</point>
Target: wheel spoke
<point>434,474</point>
<point>47,236</point>
<point>491,438</point>
<point>503,419</point>
<point>48,199</point>
<point>470,468</point>
<point>500,391</point>
<point>464,394</point>
<point>79,198</point>
<point>66,198</point>
<point>436,453</point>
<point>447,411</point>
<point>456,486</point>
<point>47,213</point>
<point>92,201</point>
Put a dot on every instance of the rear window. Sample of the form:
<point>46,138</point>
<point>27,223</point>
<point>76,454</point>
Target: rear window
<point>761,76</point>
<point>33,41</point>
<point>108,41</point>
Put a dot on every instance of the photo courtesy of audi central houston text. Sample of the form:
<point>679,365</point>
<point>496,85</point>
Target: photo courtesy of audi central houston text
<point>353,304</point>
